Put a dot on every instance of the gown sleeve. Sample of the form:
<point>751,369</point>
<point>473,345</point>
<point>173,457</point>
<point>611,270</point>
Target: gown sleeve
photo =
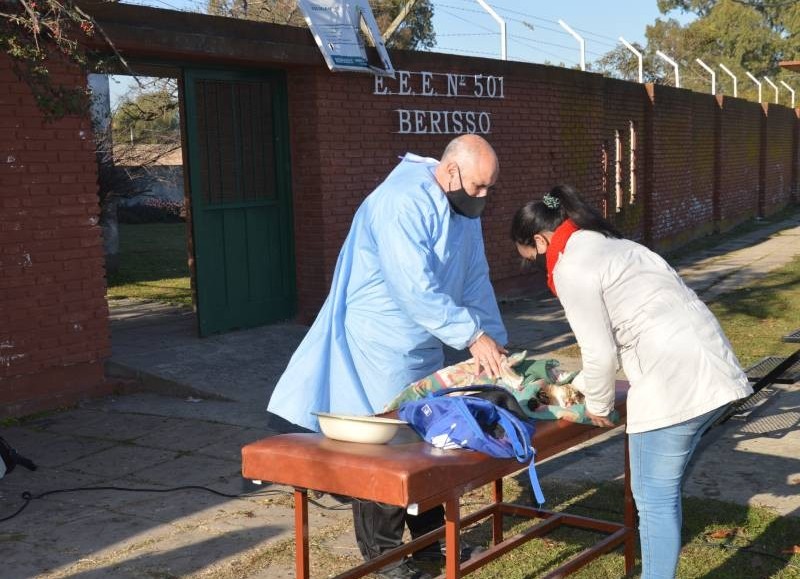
<point>479,294</point>
<point>581,294</point>
<point>404,235</point>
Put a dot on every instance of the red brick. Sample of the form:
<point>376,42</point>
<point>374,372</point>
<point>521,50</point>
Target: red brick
<point>701,163</point>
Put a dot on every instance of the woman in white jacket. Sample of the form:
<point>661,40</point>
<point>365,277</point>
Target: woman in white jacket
<point>625,302</point>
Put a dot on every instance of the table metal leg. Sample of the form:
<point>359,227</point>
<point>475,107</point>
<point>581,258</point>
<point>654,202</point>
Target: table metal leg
<point>452,528</point>
<point>301,534</point>
<point>630,515</point>
<point>497,517</point>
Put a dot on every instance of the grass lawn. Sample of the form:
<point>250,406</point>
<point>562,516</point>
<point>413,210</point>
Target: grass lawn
<point>721,540</point>
<point>755,317</point>
<point>153,264</point>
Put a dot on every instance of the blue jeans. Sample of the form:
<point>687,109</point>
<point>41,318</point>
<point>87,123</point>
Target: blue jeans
<point>658,461</point>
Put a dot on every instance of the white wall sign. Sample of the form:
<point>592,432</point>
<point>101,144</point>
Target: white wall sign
<point>444,85</point>
<point>335,25</point>
<point>441,84</point>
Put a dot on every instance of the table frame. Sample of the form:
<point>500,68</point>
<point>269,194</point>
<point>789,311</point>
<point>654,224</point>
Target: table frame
<point>618,534</point>
<point>404,473</point>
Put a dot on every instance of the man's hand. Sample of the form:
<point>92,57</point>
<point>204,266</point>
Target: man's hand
<point>488,355</point>
<point>599,420</point>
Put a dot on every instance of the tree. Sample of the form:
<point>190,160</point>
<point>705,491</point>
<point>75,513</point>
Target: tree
<point>34,31</point>
<point>145,127</point>
<point>622,63</point>
<point>416,30</point>
<point>148,115</point>
<point>744,35</point>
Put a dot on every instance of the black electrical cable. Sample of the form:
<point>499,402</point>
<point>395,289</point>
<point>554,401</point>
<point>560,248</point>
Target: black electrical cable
<point>27,496</point>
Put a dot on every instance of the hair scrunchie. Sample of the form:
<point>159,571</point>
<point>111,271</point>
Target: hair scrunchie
<point>551,201</point>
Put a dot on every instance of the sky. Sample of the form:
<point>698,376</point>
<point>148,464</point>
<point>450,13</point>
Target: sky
<point>463,27</point>
<point>533,33</point>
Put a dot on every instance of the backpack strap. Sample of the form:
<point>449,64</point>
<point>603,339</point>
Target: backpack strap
<point>523,450</point>
<point>516,433</point>
<point>537,488</point>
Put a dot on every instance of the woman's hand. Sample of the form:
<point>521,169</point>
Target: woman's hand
<point>599,420</point>
<point>488,355</point>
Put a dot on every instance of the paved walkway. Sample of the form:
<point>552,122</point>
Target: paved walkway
<point>197,401</point>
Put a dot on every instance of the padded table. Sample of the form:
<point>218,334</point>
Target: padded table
<point>411,473</point>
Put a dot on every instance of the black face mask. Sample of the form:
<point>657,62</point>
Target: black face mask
<point>538,264</point>
<point>464,204</point>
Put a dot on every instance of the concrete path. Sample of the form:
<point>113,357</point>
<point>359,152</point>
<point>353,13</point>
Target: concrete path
<point>197,401</point>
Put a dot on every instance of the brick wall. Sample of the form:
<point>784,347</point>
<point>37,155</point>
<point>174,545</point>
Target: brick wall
<point>53,314</point>
<point>682,160</point>
<point>625,109</point>
<point>686,164</point>
<point>695,166</point>
<point>781,126</point>
<point>740,146</point>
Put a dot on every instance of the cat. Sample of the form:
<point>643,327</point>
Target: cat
<point>564,395</point>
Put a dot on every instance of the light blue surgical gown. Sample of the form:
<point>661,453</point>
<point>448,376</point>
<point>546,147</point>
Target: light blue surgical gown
<point>411,276</point>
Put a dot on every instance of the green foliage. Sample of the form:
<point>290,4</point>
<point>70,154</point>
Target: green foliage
<point>621,63</point>
<point>745,36</point>
<point>148,116</point>
<point>755,317</point>
<point>153,264</point>
<point>416,31</point>
<point>152,210</point>
<point>34,31</point>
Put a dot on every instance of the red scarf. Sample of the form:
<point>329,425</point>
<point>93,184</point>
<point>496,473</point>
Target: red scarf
<point>557,245</point>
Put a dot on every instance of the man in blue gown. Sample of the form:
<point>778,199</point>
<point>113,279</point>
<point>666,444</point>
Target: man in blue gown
<point>412,275</point>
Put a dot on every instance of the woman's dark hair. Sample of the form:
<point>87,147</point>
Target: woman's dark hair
<point>561,203</point>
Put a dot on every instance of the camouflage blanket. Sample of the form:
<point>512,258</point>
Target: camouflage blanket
<point>522,376</point>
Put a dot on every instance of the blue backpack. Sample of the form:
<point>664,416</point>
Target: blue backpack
<point>474,423</point>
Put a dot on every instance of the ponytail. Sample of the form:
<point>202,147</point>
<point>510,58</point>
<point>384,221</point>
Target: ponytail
<point>560,204</point>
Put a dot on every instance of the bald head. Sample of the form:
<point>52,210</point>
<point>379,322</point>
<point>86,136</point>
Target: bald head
<point>468,149</point>
<point>468,161</point>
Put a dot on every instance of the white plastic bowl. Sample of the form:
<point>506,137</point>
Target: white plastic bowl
<point>366,429</point>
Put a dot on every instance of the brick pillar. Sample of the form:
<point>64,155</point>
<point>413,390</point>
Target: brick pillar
<point>762,162</point>
<point>54,332</point>
<point>647,160</point>
<point>716,208</point>
<point>795,155</point>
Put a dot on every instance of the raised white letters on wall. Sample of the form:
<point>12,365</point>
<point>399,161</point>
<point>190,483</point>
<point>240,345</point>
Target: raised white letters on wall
<point>445,85</point>
<point>421,122</point>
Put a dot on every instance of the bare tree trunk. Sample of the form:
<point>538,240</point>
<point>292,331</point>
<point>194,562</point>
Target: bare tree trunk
<point>398,20</point>
<point>110,225</point>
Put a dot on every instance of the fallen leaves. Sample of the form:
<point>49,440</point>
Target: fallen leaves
<point>726,533</point>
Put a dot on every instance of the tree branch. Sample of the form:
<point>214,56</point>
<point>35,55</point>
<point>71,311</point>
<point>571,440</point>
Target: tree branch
<point>398,20</point>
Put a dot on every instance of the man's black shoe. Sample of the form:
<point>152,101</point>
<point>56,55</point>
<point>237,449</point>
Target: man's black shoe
<point>405,570</point>
<point>436,552</point>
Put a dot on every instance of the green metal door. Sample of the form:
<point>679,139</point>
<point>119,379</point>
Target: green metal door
<point>238,153</point>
